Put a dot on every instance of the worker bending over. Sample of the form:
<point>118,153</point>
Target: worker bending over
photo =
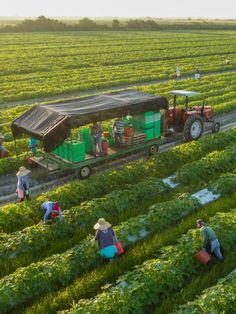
<point>52,210</point>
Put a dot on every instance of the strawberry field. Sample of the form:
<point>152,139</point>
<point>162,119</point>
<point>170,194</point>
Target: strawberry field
<point>153,203</point>
<point>40,65</point>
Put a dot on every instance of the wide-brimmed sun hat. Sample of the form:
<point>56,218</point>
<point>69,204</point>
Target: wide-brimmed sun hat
<point>23,171</point>
<point>102,224</point>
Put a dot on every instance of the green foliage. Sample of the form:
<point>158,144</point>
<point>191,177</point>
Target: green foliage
<point>220,298</point>
<point>156,278</point>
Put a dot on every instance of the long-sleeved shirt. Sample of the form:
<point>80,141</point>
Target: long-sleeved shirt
<point>48,207</point>
<point>23,182</point>
<point>208,235</point>
<point>105,238</point>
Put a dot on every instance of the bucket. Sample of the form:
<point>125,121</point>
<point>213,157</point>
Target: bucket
<point>128,132</point>
<point>105,147</point>
<point>203,257</point>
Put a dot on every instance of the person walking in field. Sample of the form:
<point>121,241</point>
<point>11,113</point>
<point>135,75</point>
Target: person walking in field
<point>178,70</point>
<point>210,242</point>
<point>22,189</point>
<point>106,239</point>
<point>52,211</point>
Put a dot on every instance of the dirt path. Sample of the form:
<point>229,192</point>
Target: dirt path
<point>91,92</point>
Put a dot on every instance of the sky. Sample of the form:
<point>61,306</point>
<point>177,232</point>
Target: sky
<point>221,9</point>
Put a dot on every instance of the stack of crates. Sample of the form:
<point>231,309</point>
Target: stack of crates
<point>85,136</point>
<point>75,151</point>
<point>71,150</point>
<point>148,123</point>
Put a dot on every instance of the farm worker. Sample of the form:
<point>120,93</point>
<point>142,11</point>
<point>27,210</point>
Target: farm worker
<point>197,74</point>
<point>210,242</point>
<point>52,210</point>
<point>23,183</point>
<point>33,145</point>
<point>226,61</point>
<point>178,71</point>
<point>3,151</point>
<point>118,129</point>
<point>106,239</point>
<point>96,132</point>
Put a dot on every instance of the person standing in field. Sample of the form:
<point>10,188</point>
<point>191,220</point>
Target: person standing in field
<point>22,189</point>
<point>197,74</point>
<point>3,151</point>
<point>178,72</point>
<point>106,239</point>
<point>33,145</point>
<point>210,242</point>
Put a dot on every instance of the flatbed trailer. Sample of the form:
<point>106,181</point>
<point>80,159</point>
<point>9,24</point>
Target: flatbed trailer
<point>51,124</point>
<point>83,168</point>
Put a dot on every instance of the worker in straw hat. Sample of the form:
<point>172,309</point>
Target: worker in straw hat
<point>106,239</point>
<point>23,183</point>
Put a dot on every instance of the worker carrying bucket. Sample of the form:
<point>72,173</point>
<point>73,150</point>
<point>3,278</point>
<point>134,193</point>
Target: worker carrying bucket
<point>210,245</point>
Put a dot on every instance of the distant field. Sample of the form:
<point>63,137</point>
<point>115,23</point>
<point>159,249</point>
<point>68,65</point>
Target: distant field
<point>46,64</point>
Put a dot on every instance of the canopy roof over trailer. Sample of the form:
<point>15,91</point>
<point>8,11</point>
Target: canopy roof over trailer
<point>183,93</point>
<point>52,123</point>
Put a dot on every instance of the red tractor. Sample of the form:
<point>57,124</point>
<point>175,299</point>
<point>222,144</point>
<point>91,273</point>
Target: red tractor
<point>189,120</point>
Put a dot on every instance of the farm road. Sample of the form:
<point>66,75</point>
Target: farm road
<point>39,182</point>
<point>90,92</point>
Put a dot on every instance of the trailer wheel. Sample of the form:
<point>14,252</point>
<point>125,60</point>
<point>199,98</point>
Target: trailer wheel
<point>85,172</point>
<point>193,128</point>
<point>153,149</point>
<point>215,127</point>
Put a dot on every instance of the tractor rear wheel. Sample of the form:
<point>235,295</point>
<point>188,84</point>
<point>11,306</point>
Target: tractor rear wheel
<point>193,128</point>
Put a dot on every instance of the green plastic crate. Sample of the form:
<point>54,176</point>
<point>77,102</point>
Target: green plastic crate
<point>149,133</point>
<point>156,116</point>
<point>157,129</point>
<point>87,138</point>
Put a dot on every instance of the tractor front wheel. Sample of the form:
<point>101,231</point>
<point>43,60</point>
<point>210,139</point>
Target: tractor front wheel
<point>193,128</point>
<point>215,127</point>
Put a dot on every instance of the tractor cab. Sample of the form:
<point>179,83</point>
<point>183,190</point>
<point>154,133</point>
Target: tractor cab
<point>189,119</point>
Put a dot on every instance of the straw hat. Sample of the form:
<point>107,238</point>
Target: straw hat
<point>102,224</point>
<point>23,171</point>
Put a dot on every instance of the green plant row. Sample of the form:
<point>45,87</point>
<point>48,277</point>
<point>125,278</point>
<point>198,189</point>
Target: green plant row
<point>12,163</point>
<point>220,298</point>
<point>148,283</point>
<point>59,270</point>
<point>17,216</point>
<point>52,68</point>
<point>25,246</point>
<point>216,161</point>
<point>92,283</point>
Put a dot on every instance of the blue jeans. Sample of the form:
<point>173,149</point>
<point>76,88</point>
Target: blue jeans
<point>215,247</point>
<point>119,139</point>
<point>97,142</point>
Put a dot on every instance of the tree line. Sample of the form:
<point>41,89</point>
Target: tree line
<point>43,24</point>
